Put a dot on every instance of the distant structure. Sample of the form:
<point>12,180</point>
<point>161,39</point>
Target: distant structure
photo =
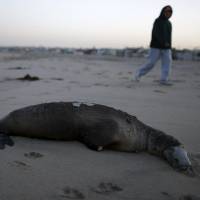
<point>185,54</point>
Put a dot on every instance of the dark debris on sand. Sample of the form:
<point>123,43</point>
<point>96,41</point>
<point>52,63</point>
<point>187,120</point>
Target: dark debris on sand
<point>28,77</point>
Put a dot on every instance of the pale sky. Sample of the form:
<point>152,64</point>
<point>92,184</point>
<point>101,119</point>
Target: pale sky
<point>95,23</point>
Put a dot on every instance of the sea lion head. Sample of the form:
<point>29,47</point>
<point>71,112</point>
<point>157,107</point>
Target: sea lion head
<point>178,158</point>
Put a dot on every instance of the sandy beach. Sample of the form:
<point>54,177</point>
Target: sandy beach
<point>57,170</point>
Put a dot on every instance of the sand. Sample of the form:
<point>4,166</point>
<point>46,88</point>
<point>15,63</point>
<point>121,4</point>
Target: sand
<point>39,169</point>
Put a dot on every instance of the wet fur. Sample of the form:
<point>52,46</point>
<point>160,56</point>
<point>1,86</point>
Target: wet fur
<point>94,125</point>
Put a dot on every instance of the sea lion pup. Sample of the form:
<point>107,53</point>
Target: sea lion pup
<point>97,126</point>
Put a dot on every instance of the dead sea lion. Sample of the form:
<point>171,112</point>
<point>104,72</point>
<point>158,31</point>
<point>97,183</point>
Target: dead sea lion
<point>97,126</point>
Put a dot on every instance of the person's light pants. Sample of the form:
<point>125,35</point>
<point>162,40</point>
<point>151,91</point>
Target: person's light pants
<point>154,55</point>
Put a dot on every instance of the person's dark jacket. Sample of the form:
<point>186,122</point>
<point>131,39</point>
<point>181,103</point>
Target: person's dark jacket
<point>161,33</point>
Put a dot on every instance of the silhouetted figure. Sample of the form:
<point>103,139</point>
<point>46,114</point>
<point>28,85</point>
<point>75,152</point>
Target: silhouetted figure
<point>160,47</point>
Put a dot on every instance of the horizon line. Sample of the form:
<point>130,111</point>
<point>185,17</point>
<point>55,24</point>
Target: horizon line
<point>91,47</point>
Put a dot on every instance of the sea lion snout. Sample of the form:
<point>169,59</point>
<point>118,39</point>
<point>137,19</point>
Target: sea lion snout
<point>178,158</point>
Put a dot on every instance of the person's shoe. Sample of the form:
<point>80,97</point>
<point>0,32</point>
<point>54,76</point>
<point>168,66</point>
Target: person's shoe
<point>137,77</point>
<point>165,83</point>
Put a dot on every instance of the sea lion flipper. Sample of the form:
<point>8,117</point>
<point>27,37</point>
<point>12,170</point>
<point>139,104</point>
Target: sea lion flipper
<point>2,141</point>
<point>5,140</point>
<point>100,135</point>
<point>2,146</point>
<point>9,141</point>
<point>94,147</point>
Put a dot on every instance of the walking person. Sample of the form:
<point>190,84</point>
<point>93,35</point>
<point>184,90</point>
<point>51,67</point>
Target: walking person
<point>160,47</point>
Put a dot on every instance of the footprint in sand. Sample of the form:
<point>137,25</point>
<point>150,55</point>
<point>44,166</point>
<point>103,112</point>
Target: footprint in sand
<point>189,197</point>
<point>74,82</point>
<point>57,79</point>
<point>106,188</point>
<point>18,68</point>
<point>160,91</point>
<point>184,197</point>
<point>178,81</point>
<point>33,155</point>
<point>166,194</point>
<point>72,193</point>
<point>101,84</point>
<point>20,164</point>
